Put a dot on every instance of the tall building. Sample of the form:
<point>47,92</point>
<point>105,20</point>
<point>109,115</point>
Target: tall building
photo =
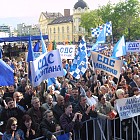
<point>64,27</point>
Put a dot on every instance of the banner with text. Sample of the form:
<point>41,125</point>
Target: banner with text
<point>106,64</point>
<point>46,66</point>
<point>128,107</point>
<point>132,46</point>
<point>66,51</point>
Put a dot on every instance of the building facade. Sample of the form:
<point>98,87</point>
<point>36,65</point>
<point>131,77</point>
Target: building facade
<point>23,30</point>
<point>5,31</point>
<point>64,28</point>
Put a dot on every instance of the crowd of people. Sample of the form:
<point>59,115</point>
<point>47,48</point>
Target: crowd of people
<point>28,113</point>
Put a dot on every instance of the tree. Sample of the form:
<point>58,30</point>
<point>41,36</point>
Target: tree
<point>125,17</point>
<point>90,20</point>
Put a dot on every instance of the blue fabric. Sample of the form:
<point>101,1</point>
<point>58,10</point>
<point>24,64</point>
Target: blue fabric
<point>30,57</point>
<point>8,136</point>
<point>120,48</point>
<point>65,72</point>
<point>6,74</point>
<point>51,81</point>
<point>44,49</point>
<point>79,65</point>
<point>96,31</point>
<point>0,53</point>
<point>63,137</point>
<point>22,38</point>
<point>102,36</point>
<point>36,47</point>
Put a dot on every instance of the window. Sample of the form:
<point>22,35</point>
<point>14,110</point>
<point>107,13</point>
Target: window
<point>54,30</point>
<point>80,29</point>
<point>50,30</point>
<point>67,29</point>
<point>74,28</point>
<point>62,29</point>
<point>68,37</point>
<point>63,37</point>
<point>58,30</point>
<point>79,19</point>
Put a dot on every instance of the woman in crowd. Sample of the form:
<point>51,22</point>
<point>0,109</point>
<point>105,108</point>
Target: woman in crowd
<point>12,132</point>
<point>27,127</point>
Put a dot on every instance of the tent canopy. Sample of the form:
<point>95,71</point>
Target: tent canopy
<point>22,38</point>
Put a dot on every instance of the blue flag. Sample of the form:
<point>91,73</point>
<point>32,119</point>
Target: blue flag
<point>44,49</point>
<point>0,53</point>
<point>6,74</point>
<point>94,46</point>
<point>51,81</point>
<point>119,49</point>
<point>96,31</point>
<point>63,137</point>
<point>36,47</point>
<point>102,36</point>
<point>79,65</point>
<point>30,57</point>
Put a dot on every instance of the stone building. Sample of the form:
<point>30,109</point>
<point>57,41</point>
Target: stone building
<point>65,27</point>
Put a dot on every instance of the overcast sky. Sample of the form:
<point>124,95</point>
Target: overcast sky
<point>22,8</point>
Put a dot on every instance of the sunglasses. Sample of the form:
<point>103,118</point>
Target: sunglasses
<point>14,124</point>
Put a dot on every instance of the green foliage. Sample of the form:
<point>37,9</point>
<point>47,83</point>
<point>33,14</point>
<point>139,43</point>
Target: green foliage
<point>125,17</point>
<point>91,19</point>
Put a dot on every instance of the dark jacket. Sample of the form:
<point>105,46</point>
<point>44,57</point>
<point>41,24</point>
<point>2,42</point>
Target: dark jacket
<point>47,128</point>
<point>58,111</point>
<point>67,124</point>
<point>79,108</point>
<point>36,116</point>
<point>133,84</point>
<point>8,113</point>
<point>31,136</point>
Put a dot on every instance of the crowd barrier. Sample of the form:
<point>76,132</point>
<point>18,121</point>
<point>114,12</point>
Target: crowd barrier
<point>99,129</point>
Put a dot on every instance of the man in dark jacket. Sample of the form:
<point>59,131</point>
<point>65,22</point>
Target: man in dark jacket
<point>58,109</point>
<point>87,112</point>
<point>36,112</point>
<point>70,121</point>
<point>10,110</point>
<point>48,125</point>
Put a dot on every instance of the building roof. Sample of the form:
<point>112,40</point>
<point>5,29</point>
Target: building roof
<point>64,19</point>
<point>52,15</point>
<point>80,4</point>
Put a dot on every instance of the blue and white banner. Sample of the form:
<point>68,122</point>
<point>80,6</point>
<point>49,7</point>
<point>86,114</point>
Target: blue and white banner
<point>66,51</point>
<point>48,65</point>
<point>132,46</point>
<point>128,107</point>
<point>107,64</point>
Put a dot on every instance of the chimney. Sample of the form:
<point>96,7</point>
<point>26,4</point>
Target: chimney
<point>66,12</point>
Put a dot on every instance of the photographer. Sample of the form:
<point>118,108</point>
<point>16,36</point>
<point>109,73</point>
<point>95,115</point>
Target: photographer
<point>87,113</point>
<point>70,121</point>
